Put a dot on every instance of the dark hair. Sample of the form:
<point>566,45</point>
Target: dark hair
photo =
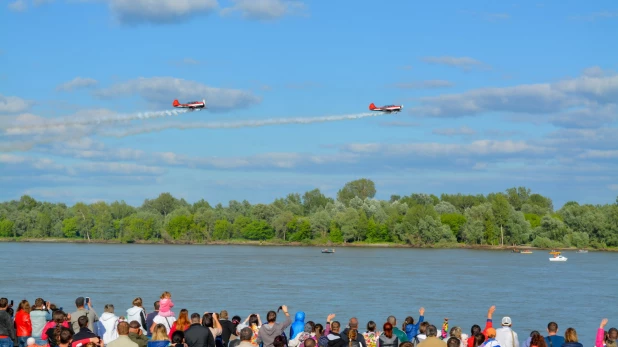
<point>612,334</point>
<point>245,334</point>
<point>552,327</point>
<point>4,302</point>
<point>253,319</point>
<point>534,332</point>
<point>431,330</point>
<point>156,305</point>
<point>63,335</point>
<point>479,338</point>
<point>207,320</point>
<point>388,329</point>
<point>408,320</point>
<point>79,302</point>
<point>453,342</point>
<point>278,342</point>
<point>371,326</point>
<point>475,330</point>
<point>538,341</point>
<point>422,328</point>
<point>271,316</point>
<point>236,320</point>
<point>319,329</point>
<point>178,336</point>
<point>82,321</point>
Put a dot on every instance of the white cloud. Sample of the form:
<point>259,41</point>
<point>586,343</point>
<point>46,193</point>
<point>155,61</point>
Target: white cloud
<point>18,6</point>
<point>161,91</point>
<point>430,84</point>
<point>160,11</point>
<point>464,130</point>
<point>264,9</point>
<point>543,98</point>
<point>13,104</point>
<point>465,63</point>
<point>76,83</point>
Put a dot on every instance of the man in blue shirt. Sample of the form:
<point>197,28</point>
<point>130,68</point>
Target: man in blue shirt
<point>552,339</point>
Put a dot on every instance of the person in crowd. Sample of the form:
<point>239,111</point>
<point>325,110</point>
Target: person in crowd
<point>150,317</point>
<point>334,337</point>
<point>371,335</point>
<point>432,339</point>
<point>109,321</point>
<point>211,321</point>
<point>271,329</point>
<point>388,338</point>
<point>410,328</point>
<point>453,342</point>
<point>422,333</point>
<point>459,335</point>
<point>245,335</point>
<point>227,326</point>
<point>529,339</point>
<point>123,339</point>
<point>252,322</point>
<point>137,312</point>
<point>401,335</point>
<point>23,324</point>
<point>178,339</point>
<point>553,339</point>
<point>165,305</point>
<point>300,338</point>
<point>488,324</point>
<point>298,325</point>
<point>167,322</point>
<point>81,311</point>
<point>358,337</point>
<point>59,320</point>
<point>198,335</point>
<point>279,341</point>
<point>538,341</point>
<point>182,323</point>
<point>570,338</point>
<point>160,338</point>
<point>84,332</point>
<point>478,339</point>
<point>136,334</point>
<point>7,326</point>
<point>39,316</point>
<point>490,341</point>
<point>606,338</point>
<point>505,335</point>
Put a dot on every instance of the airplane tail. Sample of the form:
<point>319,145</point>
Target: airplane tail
<point>372,106</point>
<point>175,103</point>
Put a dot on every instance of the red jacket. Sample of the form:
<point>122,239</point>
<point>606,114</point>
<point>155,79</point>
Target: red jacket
<point>23,323</point>
<point>488,324</point>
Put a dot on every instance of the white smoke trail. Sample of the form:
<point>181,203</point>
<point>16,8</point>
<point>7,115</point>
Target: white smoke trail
<point>24,129</point>
<point>238,124</point>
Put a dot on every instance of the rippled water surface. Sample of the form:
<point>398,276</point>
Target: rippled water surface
<point>369,283</point>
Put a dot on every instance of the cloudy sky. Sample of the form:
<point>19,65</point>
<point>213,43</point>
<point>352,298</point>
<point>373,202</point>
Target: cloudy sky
<point>496,94</point>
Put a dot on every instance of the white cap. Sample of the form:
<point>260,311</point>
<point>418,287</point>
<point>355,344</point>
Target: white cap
<point>31,341</point>
<point>506,321</point>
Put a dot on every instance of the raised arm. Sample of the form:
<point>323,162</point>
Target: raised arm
<point>601,333</point>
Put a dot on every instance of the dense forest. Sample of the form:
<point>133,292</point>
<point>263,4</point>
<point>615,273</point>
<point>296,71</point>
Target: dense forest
<point>514,217</point>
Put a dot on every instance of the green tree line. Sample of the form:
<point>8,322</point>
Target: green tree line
<point>514,217</point>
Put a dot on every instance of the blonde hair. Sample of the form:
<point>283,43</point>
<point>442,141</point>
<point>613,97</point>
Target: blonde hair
<point>351,336</point>
<point>166,295</point>
<point>456,332</point>
<point>160,333</point>
<point>137,302</point>
<point>570,335</point>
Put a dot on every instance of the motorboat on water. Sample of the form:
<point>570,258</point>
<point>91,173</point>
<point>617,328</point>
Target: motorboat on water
<point>582,251</point>
<point>558,258</point>
<point>526,251</point>
<point>328,250</point>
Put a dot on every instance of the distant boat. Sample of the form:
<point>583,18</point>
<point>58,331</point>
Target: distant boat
<point>515,250</point>
<point>558,258</point>
<point>582,251</point>
<point>554,252</point>
<point>526,251</point>
<point>328,250</point>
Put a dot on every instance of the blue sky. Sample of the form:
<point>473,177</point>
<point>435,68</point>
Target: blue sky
<point>497,94</point>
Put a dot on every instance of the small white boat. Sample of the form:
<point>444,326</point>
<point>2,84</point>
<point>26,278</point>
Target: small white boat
<point>582,251</point>
<point>558,258</point>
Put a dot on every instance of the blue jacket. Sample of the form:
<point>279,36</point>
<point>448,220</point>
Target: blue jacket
<point>298,326</point>
<point>412,329</point>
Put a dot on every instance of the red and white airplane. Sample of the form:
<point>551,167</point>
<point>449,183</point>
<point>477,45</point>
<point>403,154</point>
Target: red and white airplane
<point>193,105</point>
<point>387,108</point>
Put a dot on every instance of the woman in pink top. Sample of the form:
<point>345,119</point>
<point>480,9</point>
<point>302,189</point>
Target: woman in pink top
<point>606,339</point>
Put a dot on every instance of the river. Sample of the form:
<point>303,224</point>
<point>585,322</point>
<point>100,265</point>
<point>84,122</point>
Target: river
<point>369,283</point>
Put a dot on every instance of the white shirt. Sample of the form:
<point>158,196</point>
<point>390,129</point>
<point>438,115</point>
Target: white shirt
<point>506,337</point>
<point>166,321</point>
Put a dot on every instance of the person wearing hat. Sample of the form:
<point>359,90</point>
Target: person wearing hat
<point>136,334</point>
<point>505,335</point>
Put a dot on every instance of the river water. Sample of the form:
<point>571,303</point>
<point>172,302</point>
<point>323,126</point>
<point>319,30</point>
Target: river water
<point>369,283</point>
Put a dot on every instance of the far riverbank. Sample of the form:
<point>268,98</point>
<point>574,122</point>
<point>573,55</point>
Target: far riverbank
<point>311,243</point>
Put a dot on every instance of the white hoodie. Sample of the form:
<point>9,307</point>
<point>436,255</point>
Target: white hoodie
<point>110,324</point>
<point>134,314</point>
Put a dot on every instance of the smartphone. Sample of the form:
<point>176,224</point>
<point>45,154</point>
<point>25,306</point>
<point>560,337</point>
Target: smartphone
<point>87,300</point>
<point>11,302</point>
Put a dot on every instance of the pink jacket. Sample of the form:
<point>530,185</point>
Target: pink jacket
<point>600,338</point>
<point>165,305</point>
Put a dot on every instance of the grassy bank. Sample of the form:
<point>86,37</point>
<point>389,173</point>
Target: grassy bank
<point>310,243</point>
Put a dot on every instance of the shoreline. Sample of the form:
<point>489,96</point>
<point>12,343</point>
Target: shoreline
<point>298,244</point>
